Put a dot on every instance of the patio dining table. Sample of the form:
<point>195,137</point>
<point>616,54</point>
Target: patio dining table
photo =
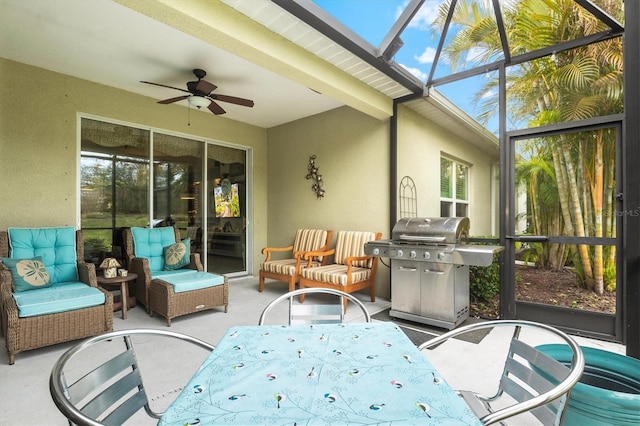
<point>353,373</point>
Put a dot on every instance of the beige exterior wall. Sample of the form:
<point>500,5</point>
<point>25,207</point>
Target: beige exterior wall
<point>420,145</point>
<point>352,152</point>
<point>39,157</point>
<point>39,142</point>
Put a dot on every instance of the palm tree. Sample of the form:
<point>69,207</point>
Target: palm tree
<point>568,86</point>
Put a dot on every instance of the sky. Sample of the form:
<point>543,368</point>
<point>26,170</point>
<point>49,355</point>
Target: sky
<point>372,20</point>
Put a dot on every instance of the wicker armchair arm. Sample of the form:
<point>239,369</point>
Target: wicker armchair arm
<point>87,273</point>
<point>195,262</point>
<point>6,283</point>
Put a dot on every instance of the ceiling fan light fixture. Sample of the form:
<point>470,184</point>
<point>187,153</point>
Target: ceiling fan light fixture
<point>199,101</point>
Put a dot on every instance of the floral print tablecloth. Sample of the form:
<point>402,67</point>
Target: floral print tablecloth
<point>338,374</point>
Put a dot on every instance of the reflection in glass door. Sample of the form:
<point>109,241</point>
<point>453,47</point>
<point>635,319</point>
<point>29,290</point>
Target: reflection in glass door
<point>564,227</point>
<point>226,236</point>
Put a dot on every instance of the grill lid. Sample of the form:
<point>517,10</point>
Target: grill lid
<point>437,230</point>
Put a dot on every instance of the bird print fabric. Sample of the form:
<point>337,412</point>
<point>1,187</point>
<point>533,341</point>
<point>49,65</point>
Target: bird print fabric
<point>354,373</point>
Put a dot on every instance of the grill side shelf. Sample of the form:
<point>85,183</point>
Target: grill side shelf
<point>475,255</point>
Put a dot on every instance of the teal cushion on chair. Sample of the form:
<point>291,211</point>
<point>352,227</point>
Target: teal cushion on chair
<point>149,243</point>
<point>56,247</point>
<point>61,298</point>
<point>27,274</point>
<point>177,255</point>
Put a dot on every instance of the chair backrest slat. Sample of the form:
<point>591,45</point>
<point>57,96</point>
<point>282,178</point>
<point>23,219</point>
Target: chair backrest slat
<point>113,391</point>
<point>103,404</point>
<point>118,416</point>
<point>92,381</point>
<point>309,313</point>
<point>536,373</point>
<point>535,382</point>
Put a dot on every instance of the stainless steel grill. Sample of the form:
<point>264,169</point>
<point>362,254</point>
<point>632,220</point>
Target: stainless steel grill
<point>430,261</point>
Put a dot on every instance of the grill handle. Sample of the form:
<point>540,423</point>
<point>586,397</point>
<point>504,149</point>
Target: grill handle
<point>422,238</point>
<point>431,271</point>
<point>528,238</point>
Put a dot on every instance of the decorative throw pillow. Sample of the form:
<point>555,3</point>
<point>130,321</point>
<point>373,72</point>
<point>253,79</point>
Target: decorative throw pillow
<point>177,255</point>
<point>27,274</point>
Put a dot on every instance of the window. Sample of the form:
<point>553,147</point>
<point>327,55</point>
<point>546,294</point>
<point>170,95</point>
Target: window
<point>454,188</point>
<point>124,184</point>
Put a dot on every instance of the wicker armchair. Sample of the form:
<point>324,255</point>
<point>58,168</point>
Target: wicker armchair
<point>141,266</point>
<point>30,332</point>
<point>175,292</point>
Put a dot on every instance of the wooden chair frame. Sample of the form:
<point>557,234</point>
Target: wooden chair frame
<point>349,287</point>
<point>293,279</point>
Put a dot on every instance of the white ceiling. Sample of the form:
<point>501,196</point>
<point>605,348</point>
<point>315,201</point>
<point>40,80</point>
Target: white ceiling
<point>107,43</point>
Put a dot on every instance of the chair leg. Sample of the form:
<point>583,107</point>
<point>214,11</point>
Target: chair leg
<point>261,282</point>
<point>292,283</point>
<point>372,292</point>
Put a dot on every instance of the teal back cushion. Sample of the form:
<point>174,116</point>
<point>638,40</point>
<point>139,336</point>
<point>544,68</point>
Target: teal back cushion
<point>149,243</point>
<point>56,247</point>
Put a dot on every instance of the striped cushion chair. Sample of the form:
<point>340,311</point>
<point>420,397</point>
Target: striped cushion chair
<point>351,270</point>
<point>288,270</point>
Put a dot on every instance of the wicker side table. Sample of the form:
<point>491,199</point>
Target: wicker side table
<point>124,290</point>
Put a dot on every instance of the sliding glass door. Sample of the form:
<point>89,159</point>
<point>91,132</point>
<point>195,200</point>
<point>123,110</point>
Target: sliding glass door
<point>138,177</point>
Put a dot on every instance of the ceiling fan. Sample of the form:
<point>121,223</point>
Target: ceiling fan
<point>201,96</point>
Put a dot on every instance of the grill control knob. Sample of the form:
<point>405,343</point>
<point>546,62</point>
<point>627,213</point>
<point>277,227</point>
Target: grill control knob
<point>400,253</point>
<point>412,254</point>
<point>426,255</point>
<point>441,256</point>
<point>376,251</point>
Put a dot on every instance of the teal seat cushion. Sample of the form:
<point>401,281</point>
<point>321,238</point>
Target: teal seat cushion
<point>56,247</point>
<point>149,243</point>
<point>187,280</point>
<point>57,298</point>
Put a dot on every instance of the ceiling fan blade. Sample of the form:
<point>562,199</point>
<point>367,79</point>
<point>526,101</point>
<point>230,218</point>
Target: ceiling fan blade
<point>172,100</point>
<point>205,87</point>
<point>215,108</point>
<point>164,85</point>
<point>233,100</point>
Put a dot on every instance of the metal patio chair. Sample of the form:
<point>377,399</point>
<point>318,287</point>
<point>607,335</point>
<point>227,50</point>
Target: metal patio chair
<point>106,388</point>
<point>535,382</point>
<point>315,313</point>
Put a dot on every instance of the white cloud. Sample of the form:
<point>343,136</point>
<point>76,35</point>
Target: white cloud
<point>489,94</point>
<point>427,56</point>
<point>421,75</point>
<point>425,16</point>
<point>474,55</point>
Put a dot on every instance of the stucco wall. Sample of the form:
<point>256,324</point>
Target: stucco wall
<point>353,157</point>
<point>39,155</point>
<point>421,144</point>
<point>39,142</point>
<point>352,153</point>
